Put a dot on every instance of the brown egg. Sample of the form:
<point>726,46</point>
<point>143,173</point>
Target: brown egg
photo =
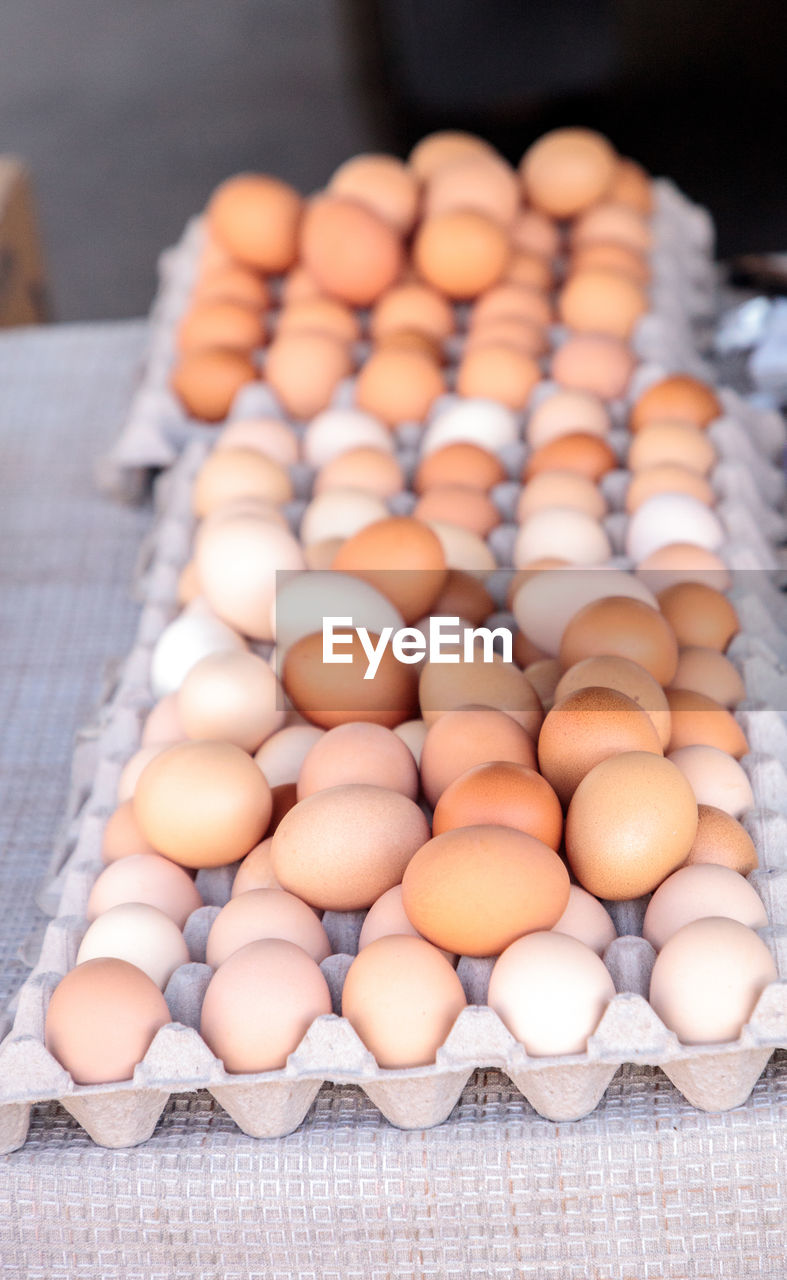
<point>466,737</point>
<point>359,752</point>
<point>206,382</point>
<point>412,340</point>
<point>511,301</point>
<point>260,1003</point>
<point>543,673</point>
<point>722,840</point>
<point>299,285</point>
<point>398,385</point>
<point>530,270</point>
<point>586,454</point>
<point>256,217</point>
<point>383,183</point>
<point>664,443</point>
<point>365,468</point>
<point>203,804</point>
<point>588,726</point>
<point>350,251</point>
<point>715,778</point>
<point>699,720</point>
<point>304,368</point>
<point>508,331</point>
<point>265,913</point>
<point>402,997</point>
<point>560,489</point>
<point>597,301</point>
<point>329,695</point>
<point>227,474</point>
<point>325,315</point>
<point>626,627</point>
<point>495,371</point>
<point>707,671</point>
<point>256,870</point>
<point>594,362</point>
<point>683,562</point>
<point>464,596</point>
<point>444,687</point>
<point>567,170</point>
<point>632,820</point>
<point>667,478</point>
<point>444,147</point>
<point>564,413</point>
<point>122,836</point>
<point>632,186</point>
<point>486,184</point>
<point>501,794</point>
<point>475,889</point>
<point>102,1018</point>
<point>237,561</point>
<point>231,697</point>
<point>341,848</point>
<point>461,253</point>
<point>148,878</point>
<point>535,233</point>
<point>414,307</point>
<point>230,283</point>
<point>611,257</point>
<point>626,677</point>
<point>699,615</point>
<point>400,556</point>
<point>612,223</point>
<point>460,463</point>
<point>232,326</point>
<point>459,504</point>
<point>678,397</point>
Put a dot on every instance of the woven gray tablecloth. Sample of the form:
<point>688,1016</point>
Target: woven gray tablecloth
<point>646,1187</point>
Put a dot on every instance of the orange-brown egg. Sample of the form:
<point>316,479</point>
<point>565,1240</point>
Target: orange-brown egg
<point>350,251</point>
<point>459,463</point>
<point>632,186</point>
<point>369,469</point>
<point>626,627</point>
<point>530,271</point>
<point>721,839</point>
<point>444,147</point>
<point>662,443</point>
<point>564,412</point>
<point>484,183</point>
<point>325,315</point>
<point>560,489</point>
<point>459,504</point>
<point>299,285</point>
<point>461,253</point>
<point>508,331</point>
<point>705,670</point>
<point>612,223</point>
<point>412,340</point>
<point>597,301</point>
<point>304,368</point>
<point>400,556</point>
<point>535,233</point>
<point>228,474</point>
<point>506,301</point>
<point>232,326</point>
<point>256,217</point>
<point>668,477</point>
<point>578,451</point>
<point>163,724</point>
<point>464,595</point>
<point>230,283</point>
<point>496,371</point>
<point>207,381</point>
<point>398,385</point>
<point>412,307</point>
<point>468,736</point>
<point>700,720</point>
<point>594,362</point>
<point>678,397</point>
<point>567,170</point>
<point>683,562</point>
<point>699,615</point>
<point>382,182</point>
<point>611,257</point>
<point>614,672</point>
<point>333,694</point>
<point>501,794</point>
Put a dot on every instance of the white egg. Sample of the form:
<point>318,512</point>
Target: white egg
<point>335,431</point>
<point>672,517</point>
<point>304,600</point>
<point>140,934</point>
<point>562,532</point>
<point>483,422</point>
<point>339,513</point>
<point>193,635</point>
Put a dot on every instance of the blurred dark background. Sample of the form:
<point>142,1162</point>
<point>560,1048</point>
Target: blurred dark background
<point>129,113</point>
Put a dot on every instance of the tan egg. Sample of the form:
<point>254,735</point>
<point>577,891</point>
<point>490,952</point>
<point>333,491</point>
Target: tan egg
<point>413,735</point>
<point>597,301</point>
<point>149,878</point>
<point>354,254</point>
<point>692,893</point>
<point>323,315</point>
<point>698,719</point>
<point>632,186</point>
<point>663,443</point>
<point>256,217</point>
<point>707,671</point>
<point>231,326</point>
<point>373,470</point>
<point>304,369</point>
<point>256,870</point>
<point>588,726</point>
<point>631,821</point>
<point>586,920</point>
<point>627,677</point>
<point>232,283</point>
<point>578,451</point>
<point>613,223</point>
<point>565,532</point>
<point>708,978</point>
<point>496,371</point>
<point>231,697</point>
<point>699,615</point>
<point>101,1020</point>
<point>667,478</point>
<point>203,804</point>
<point>237,561</point>
<point>560,489</point>
<point>474,890</point>
<point>716,778</point>
<point>265,913</point>
<point>329,695</point>
<point>508,331</point>
<point>600,256</point>
<point>386,918</point>
<point>468,736</point>
<point>551,991</point>
<point>533,232</point>
<point>459,504</point>
<point>721,840</point>
<point>269,436</point>
<point>122,836</point>
<point>567,170</point>
<point>228,474</point>
<point>206,382</point>
<point>139,934</point>
<point>678,397</point>
<point>412,307</point>
<point>339,513</point>
<point>530,270</point>
<point>189,587</point>
<point>412,340</point>
<point>130,775</point>
<point>594,362</point>
<point>444,687</point>
<point>501,794</point>
<point>384,184</point>
<point>299,285</point>
<point>260,1003</point>
<point>567,413</point>
<point>398,385</point>
<point>402,558</point>
<point>445,147</point>
<point>681,562</point>
<point>483,183</point>
<point>461,253</point>
<point>163,724</point>
<point>340,849</point>
<point>543,674</point>
<point>511,301</point>
<point>402,997</point>
<point>462,548</point>
<point>465,596</point>
<point>359,752</point>
<point>460,463</point>
<point>280,757</point>
<point>320,555</point>
<point>626,627</point>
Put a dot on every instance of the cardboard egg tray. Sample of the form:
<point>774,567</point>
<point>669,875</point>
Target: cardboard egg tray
<point>269,1104</point>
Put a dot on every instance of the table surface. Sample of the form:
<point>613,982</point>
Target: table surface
<point>646,1186</point>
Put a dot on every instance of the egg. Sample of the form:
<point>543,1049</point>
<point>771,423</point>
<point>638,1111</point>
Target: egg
<point>229,282</point>
<point>206,381</point>
<point>678,397</point>
<point>269,436</point>
<point>386,918</point>
<point>625,627</point>
<point>281,755</point>
<point>237,562</point>
<point>599,301</point>
<point>683,562</point>
<point>511,301</point>
<point>721,839</point>
<point>614,672</point>
<point>413,735</point>
<point>299,285</point>
<point>529,269</point>
<point>598,363</point>
<point>265,913</point>
<point>469,736</point>
<point>230,474</point>
<point>706,670</point>
<point>349,250</point>
<point>358,752</point>
<point>564,413</point>
<point>586,920</point>
<point>461,253</point>
<point>708,978</point>
<point>631,821</point>
<point>256,218</point>
<point>132,770</point>
<point>411,306</point>
<point>444,687</point>
<point>551,991</point>
<point>402,558</point>
<point>460,463</point>
<point>413,340</point>
<point>341,848</point>
<point>667,478</point>
<point>323,315</point>
<point>163,724</point>
<point>260,1003</point>
<point>697,719</point>
<point>562,489</point>
<point>547,601</point>
<point>543,674</point>
<point>459,504</point>
<point>484,423</point>
<point>402,997</point>
<point>475,889</point>
<point>444,147</point>
<point>256,870</point>
<point>534,232</point>
<point>383,183</point>
<point>564,532</point>
<point>497,371</point>
<point>663,443</point>
<point>463,549</point>
<point>146,878</point>
<point>567,170</point>
<point>304,600</point>
<point>484,183</point>
<point>464,595</point>
<point>304,368</point>
<point>140,934</point>
<point>507,331</point>
<point>612,256</point>
<point>672,517</point>
<point>398,385</point>
<point>231,697</point>
<point>692,893</point>
<point>632,186</point>
<point>101,1020</point>
<point>329,695</point>
<point>335,431</point>
<point>578,451</point>
<point>699,615</point>
<point>504,794</point>
<point>339,513</point>
<point>373,470</point>
<point>122,836</point>
<point>613,223</point>
<point>715,778</point>
<point>232,326</point>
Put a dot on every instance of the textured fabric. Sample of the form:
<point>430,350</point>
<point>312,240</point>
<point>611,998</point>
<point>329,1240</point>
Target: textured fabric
<point>645,1188</point>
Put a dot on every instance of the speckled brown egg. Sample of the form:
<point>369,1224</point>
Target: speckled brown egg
<point>627,677</point>
<point>722,840</point>
<point>678,397</point>
<point>501,794</point>
<point>626,627</point>
<point>350,251</point>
